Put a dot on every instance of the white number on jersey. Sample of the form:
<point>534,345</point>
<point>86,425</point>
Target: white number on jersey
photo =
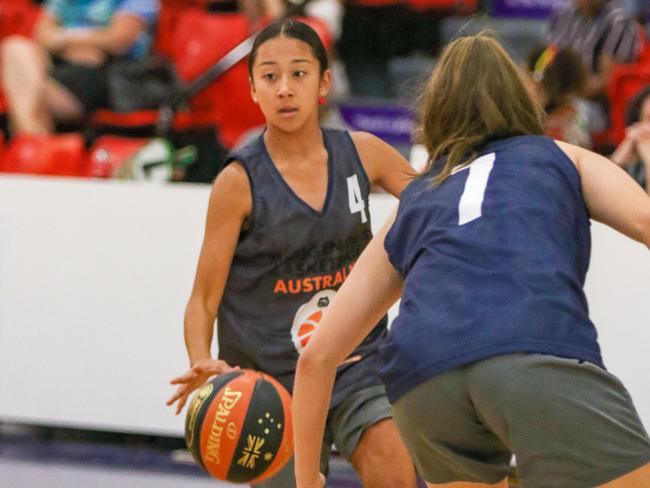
<point>471,201</point>
<point>357,204</point>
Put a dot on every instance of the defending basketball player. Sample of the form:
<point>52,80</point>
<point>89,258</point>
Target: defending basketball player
<point>287,219</point>
<point>493,352</point>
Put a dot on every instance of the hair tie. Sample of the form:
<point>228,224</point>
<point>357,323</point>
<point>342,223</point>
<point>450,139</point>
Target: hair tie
<point>543,62</point>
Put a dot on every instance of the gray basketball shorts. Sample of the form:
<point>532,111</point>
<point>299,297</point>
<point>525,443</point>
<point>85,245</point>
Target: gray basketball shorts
<point>345,424</point>
<point>569,423</point>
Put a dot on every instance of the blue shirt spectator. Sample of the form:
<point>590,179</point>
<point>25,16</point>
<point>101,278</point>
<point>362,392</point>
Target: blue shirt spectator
<point>83,14</point>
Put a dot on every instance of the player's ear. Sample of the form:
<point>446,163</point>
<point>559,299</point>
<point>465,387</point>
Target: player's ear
<point>251,85</point>
<point>325,83</point>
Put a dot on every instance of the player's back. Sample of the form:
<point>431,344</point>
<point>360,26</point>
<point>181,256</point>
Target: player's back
<point>494,262</point>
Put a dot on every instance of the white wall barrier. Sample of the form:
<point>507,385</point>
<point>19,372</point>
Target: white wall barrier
<point>93,282</point>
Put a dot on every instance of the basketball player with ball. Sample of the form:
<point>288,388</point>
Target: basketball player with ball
<point>287,219</point>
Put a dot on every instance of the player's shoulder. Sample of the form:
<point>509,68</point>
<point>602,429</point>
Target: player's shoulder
<point>232,185</point>
<point>232,176</point>
<point>370,148</point>
<point>573,152</point>
<point>364,140</point>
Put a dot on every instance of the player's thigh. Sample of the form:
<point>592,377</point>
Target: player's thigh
<point>446,439</point>
<point>361,410</point>
<point>569,422</point>
<point>365,434</point>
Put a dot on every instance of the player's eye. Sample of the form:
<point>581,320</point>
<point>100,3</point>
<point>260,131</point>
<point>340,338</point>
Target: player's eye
<point>269,76</point>
<point>299,73</point>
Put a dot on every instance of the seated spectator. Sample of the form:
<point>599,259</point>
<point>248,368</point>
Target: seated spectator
<point>603,33</point>
<point>560,79</point>
<point>634,152</point>
<point>60,74</point>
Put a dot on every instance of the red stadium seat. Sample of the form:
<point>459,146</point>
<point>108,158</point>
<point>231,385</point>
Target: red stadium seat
<point>195,40</point>
<point>17,17</point>
<point>200,40</point>
<point>109,153</point>
<point>626,82</point>
<point>61,155</point>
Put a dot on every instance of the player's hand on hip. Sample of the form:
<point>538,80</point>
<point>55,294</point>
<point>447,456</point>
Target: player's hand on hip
<point>196,376</point>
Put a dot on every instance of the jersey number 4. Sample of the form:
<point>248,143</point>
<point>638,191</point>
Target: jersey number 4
<point>470,206</point>
<point>356,201</point>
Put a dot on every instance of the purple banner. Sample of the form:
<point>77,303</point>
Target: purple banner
<point>394,124</point>
<point>534,9</point>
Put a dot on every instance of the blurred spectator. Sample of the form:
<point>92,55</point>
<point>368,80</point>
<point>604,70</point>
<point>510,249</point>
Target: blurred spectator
<point>560,79</point>
<point>261,10</point>
<point>603,33</point>
<point>374,32</point>
<point>370,37</point>
<point>60,74</point>
<point>634,152</point>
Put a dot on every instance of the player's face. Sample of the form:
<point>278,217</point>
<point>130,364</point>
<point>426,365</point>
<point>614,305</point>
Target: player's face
<point>287,83</point>
<point>645,110</point>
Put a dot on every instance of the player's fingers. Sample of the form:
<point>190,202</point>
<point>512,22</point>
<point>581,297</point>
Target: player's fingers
<point>214,367</point>
<point>184,378</point>
<point>174,397</point>
<point>181,404</point>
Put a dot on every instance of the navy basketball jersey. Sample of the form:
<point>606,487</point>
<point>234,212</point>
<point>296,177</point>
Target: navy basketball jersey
<point>494,261</point>
<point>290,262</point>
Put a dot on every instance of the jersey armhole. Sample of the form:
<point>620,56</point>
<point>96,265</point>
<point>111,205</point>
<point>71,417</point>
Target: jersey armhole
<point>362,169</point>
<point>574,172</point>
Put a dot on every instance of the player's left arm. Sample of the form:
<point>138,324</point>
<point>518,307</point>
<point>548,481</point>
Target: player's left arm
<point>368,292</point>
<point>384,165</point>
<point>611,195</point>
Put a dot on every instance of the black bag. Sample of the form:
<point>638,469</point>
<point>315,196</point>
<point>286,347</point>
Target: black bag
<point>140,84</point>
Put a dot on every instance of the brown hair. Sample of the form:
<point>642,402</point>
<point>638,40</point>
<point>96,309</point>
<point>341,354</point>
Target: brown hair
<point>562,76</point>
<point>475,94</point>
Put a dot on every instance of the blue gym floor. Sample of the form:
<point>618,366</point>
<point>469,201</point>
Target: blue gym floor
<point>34,457</point>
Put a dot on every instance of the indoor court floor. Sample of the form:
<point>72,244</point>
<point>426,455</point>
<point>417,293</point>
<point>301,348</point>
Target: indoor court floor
<point>46,458</point>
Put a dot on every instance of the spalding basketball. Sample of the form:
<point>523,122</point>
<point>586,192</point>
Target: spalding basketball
<point>238,427</point>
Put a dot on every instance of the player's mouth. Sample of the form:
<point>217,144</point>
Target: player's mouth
<point>288,111</point>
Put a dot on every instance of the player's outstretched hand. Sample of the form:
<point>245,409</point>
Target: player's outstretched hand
<point>196,376</point>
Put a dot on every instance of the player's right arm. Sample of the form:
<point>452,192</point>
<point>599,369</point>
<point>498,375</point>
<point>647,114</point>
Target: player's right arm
<point>229,208</point>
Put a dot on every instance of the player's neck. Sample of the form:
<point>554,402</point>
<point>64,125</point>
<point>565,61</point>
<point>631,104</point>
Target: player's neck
<point>290,145</point>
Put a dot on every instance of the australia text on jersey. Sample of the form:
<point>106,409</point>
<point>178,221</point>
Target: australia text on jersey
<point>311,284</point>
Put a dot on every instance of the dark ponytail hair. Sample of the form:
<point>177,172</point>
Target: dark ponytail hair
<point>295,30</point>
